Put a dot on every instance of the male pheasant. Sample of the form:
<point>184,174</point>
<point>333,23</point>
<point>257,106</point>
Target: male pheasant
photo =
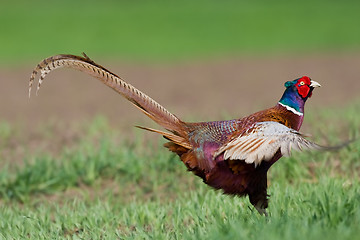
<point>232,155</point>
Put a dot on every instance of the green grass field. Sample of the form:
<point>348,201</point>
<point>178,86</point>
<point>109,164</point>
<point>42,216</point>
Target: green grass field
<point>104,187</point>
<point>169,30</point>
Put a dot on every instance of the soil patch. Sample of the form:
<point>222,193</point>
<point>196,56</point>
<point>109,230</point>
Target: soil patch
<point>194,91</point>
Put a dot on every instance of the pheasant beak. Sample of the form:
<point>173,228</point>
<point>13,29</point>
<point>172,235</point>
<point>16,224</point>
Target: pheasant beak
<point>314,84</point>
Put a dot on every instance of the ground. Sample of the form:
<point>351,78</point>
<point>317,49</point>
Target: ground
<point>194,91</point>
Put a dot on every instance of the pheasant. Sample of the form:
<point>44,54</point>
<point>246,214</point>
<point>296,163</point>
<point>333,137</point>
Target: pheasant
<point>232,155</point>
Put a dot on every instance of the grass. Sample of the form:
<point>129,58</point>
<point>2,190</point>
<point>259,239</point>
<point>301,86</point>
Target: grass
<point>175,30</point>
<point>103,186</point>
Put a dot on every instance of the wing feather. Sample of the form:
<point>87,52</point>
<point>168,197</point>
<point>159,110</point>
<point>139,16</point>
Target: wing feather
<point>263,140</point>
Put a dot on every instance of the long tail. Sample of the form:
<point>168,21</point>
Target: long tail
<point>146,104</point>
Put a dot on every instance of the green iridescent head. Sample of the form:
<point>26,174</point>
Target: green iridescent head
<point>297,92</point>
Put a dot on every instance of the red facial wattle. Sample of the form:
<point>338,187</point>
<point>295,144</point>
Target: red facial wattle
<point>303,87</point>
<point>303,90</point>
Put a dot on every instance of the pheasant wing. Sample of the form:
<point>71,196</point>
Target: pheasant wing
<point>261,142</point>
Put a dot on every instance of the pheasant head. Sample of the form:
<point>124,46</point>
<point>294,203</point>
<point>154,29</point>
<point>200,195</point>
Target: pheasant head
<point>297,92</point>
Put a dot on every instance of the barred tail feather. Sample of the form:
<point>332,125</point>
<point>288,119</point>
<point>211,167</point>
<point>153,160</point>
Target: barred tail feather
<point>146,104</point>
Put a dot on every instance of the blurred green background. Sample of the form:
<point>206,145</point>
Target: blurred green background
<point>175,30</point>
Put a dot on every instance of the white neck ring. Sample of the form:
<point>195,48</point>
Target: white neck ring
<point>291,109</point>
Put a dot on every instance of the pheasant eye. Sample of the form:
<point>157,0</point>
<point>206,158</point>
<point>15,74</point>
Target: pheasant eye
<point>302,83</point>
